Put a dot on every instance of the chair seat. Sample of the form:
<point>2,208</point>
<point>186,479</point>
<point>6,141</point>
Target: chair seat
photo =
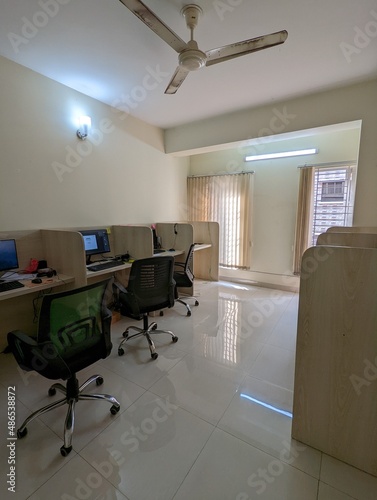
<point>150,288</point>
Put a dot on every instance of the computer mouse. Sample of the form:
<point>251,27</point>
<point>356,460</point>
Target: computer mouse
<point>171,249</point>
<point>36,280</point>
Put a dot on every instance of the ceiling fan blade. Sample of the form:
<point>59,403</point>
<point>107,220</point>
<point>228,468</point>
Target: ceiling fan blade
<point>177,80</point>
<point>155,24</point>
<point>227,52</point>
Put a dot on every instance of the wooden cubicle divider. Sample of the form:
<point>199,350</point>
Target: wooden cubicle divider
<point>335,389</point>
<point>29,245</point>
<point>206,266</point>
<point>358,239</point>
<point>181,235</point>
<point>177,235</point>
<point>352,229</point>
<point>64,251</point>
<point>137,241</point>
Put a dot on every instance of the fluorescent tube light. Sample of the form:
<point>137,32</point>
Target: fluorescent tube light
<point>284,154</point>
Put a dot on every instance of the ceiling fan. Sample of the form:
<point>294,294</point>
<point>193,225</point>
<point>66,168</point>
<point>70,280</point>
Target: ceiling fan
<point>190,56</point>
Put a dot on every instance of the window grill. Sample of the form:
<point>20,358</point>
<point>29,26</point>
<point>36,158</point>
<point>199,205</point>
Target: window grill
<point>332,200</point>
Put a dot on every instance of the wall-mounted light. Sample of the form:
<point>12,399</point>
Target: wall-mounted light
<point>283,154</point>
<point>85,122</point>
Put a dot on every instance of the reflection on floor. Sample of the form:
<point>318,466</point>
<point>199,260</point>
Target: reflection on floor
<point>210,419</point>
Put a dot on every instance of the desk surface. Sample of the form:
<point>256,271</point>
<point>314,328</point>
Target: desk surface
<point>109,270</point>
<point>201,246</point>
<point>34,287</point>
<point>172,253</point>
<point>127,265</point>
<point>175,253</point>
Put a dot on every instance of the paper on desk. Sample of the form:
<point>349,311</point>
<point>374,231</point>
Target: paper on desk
<point>16,276</point>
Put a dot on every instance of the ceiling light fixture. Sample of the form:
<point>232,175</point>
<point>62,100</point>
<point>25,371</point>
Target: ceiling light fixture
<point>85,122</point>
<point>284,154</point>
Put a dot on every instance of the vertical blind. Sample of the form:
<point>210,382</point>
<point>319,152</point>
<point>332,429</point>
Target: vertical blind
<point>226,199</point>
<point>303,218</point>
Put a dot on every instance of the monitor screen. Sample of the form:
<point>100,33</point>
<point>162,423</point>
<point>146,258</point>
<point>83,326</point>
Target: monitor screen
<point>8,255</point>
<point>96,241</point>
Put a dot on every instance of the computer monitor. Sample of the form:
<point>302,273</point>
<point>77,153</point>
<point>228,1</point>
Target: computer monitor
<point>96,242</point>
<point>8,256</point>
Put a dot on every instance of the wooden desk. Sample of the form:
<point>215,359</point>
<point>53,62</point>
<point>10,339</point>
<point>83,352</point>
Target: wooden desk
<point>172,253</point>
<point>109,270</point>
<point>201,246</point>
<point>30,287</point>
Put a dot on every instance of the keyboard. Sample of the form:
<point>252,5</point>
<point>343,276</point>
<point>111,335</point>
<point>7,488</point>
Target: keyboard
<point>104,265</point>
<point>5,286</point>
<point>158,250</point>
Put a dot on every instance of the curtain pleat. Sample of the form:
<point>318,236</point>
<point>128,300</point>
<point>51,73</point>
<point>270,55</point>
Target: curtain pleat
<point>226,199</point>
<point>304,209</point>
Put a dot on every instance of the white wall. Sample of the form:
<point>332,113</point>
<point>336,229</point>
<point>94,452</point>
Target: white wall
<point>276,192</point>
<point>119,175</point>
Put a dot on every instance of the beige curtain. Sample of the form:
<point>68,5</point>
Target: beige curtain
<point>226,199</point>
<point>303,220</point>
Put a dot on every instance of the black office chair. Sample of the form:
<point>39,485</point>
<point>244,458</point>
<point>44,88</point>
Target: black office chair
<point>184,278</point>
<point>150,288</point>
<point>73,333</point>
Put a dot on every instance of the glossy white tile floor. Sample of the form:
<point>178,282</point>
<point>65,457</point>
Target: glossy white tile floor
<point>199,423</point>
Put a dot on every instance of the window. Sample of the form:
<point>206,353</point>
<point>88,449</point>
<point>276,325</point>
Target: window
<point>226,199</point>
<point>326,196</point>
<point>332,191</point>
<point>332,201</point>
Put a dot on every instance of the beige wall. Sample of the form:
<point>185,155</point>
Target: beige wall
<point>345,104</point>
<point>49,178</point>
<point>276,191</point>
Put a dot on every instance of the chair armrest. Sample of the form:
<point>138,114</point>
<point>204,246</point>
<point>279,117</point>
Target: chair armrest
<point>21,345</point>
<point>40,357</point>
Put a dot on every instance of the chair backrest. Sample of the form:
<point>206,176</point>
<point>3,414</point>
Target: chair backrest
<point>189,264</point>
<point>77,323</point>
<point>151,284</point>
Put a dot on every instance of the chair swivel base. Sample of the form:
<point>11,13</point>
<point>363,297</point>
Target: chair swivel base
<point>73,393</point>
<point>181,301</point>
<point>146,331</point>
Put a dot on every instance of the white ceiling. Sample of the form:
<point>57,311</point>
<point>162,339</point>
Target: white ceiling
<point>101,49</point>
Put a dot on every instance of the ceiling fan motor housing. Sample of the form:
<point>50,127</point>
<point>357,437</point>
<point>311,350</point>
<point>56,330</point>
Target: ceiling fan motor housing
<point>192,58</point>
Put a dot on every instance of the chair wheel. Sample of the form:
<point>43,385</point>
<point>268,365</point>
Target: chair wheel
<point>196,303</point>
<point>99,381</point>
<point>120,351</point>
<point>21,434</point>
<point>175,339</point>
<point>154,355</point>
<point>161,313</point>
<point>154,327</point>
<point>65,451</point>
<point>188,313</point>
<point>114,409</point>
<point>125,334</point>
<point>52,391</point>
